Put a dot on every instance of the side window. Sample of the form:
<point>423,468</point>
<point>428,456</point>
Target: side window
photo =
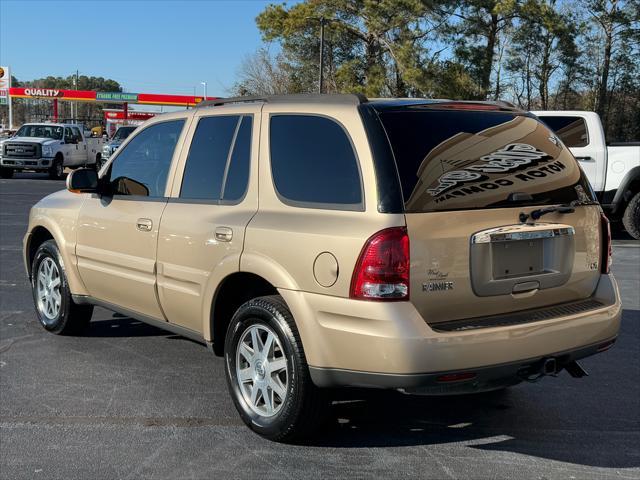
<point>77,134</point>
<point>141,168</point>
<point>312,161</point>
<point>571,130</point>
<point>68,135</point>
<point>238,171</point>
<point>217,166</point>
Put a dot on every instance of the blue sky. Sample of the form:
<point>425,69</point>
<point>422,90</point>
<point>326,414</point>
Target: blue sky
<point>151,46</point>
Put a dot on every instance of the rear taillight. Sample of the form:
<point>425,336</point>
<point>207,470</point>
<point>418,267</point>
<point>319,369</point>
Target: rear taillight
<point>382,271</point>
<point>605,252</point>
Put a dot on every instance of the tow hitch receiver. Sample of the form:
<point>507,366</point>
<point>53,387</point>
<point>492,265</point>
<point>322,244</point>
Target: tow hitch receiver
<point>575,370</point>
<point>549,366</point>
<point>539,369</point>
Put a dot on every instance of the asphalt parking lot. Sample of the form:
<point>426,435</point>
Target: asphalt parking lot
<point>127,400</point>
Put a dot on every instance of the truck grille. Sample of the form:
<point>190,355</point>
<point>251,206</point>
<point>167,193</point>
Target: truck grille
<point>518,318</point>
<point>22,150</point>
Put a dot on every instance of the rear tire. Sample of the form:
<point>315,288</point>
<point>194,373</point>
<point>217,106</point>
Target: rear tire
<point>56,171</point>
<point>631,217</point>
<point>267,372</point>
<point>6,172</point>
<point>55,308</point>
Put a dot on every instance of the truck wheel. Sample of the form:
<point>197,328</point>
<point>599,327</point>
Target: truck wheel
<point>267,372</point>
<point>55,308</point>
<point>631,217</point>
<point>6,172</point>
<point>99,162</point>
<point>57,169</point>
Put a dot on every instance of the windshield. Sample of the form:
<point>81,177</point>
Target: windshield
<point>123,132</point>
<point>464,159</point>
<point>41,131</point>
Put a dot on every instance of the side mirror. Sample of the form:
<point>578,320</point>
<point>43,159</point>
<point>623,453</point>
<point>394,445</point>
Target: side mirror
<point>83,180</point>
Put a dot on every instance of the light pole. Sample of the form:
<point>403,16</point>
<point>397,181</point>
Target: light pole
<point>321,76</point>
<point>204,84</point>
<point>323,21</point>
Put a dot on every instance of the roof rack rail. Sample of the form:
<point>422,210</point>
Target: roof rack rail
<point>222,101</point>
<point>348,98</point>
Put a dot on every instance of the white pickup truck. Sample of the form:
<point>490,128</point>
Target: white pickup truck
<point>48,147</point>
<point>613,170</point>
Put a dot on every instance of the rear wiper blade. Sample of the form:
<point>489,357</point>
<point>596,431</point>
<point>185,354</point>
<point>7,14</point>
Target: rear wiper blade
<point>536,214</point>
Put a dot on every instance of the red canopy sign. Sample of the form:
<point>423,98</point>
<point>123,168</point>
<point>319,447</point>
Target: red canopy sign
<point>90,96</point>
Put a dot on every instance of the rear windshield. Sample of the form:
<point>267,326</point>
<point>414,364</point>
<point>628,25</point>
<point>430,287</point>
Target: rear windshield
<point>461,160</point>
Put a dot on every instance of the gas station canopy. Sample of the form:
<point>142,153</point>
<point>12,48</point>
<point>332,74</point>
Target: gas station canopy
<point>106,97</point>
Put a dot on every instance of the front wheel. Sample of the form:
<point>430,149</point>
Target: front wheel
<point>631,217</point>
<point>267,372</point>
<point>55,308</point>
<point>57,169</point>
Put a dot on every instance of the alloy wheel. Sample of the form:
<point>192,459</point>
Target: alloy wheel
<point>261,370</point>
<point>48,290</point>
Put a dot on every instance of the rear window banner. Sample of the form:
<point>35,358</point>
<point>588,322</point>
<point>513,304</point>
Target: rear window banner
<point>512,157</point>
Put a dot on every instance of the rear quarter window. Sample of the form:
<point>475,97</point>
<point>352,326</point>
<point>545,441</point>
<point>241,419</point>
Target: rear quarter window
<point>460,160</point>
<point>313,163</point>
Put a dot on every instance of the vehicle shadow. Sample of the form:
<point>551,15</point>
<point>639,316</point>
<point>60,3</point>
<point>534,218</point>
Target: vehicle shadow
<point>506,420</point>
<point>593,421</point>
<point>121,326</point>
<point>619,233</point>
<point>37,176</point>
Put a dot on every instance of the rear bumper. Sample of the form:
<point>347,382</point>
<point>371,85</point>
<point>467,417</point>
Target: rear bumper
<point>472,380</point>
<point>389,345</point>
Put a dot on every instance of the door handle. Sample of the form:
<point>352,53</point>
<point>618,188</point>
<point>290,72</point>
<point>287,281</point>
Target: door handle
<point>144,224</point>
<point>584,159</point>
<point>224,234</point>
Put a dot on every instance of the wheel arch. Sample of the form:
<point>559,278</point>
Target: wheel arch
<point>234,290</point>
<point>629,186</point>
<point>43,229</point>
<point>38,236</point>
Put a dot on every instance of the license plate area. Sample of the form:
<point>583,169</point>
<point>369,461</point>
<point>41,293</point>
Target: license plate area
<point>517,259</point>
<point>507,259</point>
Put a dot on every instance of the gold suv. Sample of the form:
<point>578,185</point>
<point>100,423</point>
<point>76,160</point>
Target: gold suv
<point>429,246</point>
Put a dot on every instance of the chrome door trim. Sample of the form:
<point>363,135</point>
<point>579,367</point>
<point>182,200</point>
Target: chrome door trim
<point>513,233</point>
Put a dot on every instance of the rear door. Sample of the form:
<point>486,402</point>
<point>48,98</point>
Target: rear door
<point>80,152</point>
<point>466,177</point>
<point>69,148</point>
<point>203,226</point>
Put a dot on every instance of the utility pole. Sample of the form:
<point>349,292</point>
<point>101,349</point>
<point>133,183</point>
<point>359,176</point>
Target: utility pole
<point>321,76</point>
<point>74,105</point>
<point>9,99</point>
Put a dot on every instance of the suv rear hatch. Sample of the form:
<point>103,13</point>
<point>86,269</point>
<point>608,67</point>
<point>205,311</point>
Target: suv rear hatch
<point>471,176</point>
